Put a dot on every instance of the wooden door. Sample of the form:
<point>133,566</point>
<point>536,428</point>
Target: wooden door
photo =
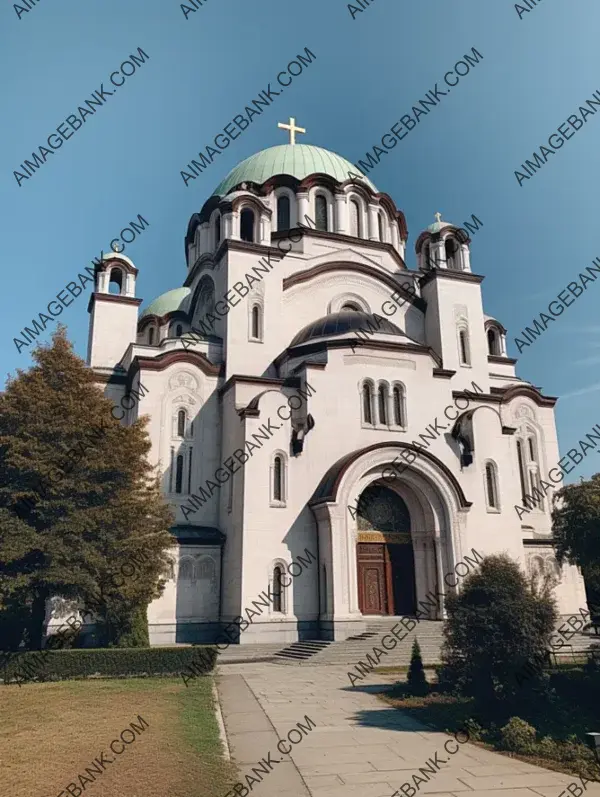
<point>372,592</point>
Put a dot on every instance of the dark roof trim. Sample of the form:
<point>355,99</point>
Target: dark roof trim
<point>329,485</point>
<point>168,358</point>
<point>337,236</point>
<point>504,395</point>
<point>537,542</point>
<point>113,378</point>
<point>234,379</point>
<point>443,373</point>
<point>173,315</point>
<point>427,235</point>
<point>461,276</point>
<point>494,358</point>
<point>198,535</point>
<point>112,297</point>
<point>358,268</point>
<point>493,322</point>
<point>304,349</point>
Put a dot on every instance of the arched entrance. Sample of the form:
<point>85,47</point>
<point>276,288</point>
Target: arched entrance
<point>384,554</point>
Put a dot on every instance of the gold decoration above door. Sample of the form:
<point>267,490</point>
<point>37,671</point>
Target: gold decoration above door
<point>391,537</point>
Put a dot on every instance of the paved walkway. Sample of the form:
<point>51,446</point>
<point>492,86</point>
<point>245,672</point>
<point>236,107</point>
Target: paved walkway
<point>359,746</point>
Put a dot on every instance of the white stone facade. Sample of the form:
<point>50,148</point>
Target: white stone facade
<point>207,398</point>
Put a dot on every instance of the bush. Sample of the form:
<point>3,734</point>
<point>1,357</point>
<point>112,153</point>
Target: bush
<point>474,729</point>
<point>496,635</point>
<point>132,631</point>
<point>518,736</point>
<point>58,665</point>
<point>416,674</point>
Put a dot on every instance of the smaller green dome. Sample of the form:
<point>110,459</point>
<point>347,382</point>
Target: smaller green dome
<point>167,303</point>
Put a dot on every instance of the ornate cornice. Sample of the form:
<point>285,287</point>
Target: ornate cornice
<point>169,358</point>
<point>494,358</point>
<point>352,343</point>
<point>342,238</point>
<point>112,297</point>
<point>328,488</point>
<point>356,268</point>
<point>234,379</point>
<point>460,276</point>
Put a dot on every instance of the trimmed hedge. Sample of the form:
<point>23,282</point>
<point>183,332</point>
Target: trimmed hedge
<point>59,665</point>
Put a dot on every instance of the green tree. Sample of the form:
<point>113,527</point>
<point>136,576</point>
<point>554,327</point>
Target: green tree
<point>498,627</point>
<point>416,674</point>
<point>576,528</point>
<point>78,498</point>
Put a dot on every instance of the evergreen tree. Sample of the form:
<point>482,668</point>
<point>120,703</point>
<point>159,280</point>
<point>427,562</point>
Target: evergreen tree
<point>497,633</point>
<point>78,498</point>
<point>416,674</point>
<point>576,523</point>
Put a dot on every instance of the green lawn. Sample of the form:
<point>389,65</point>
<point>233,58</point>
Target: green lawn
<point>50,733</point>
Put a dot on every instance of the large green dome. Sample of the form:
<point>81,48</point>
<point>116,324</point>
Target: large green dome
<point>297,160</point>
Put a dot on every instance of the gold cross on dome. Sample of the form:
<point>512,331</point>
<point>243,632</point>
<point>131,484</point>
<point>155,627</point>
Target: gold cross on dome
<point>292,128</point>
<point>438,217</point>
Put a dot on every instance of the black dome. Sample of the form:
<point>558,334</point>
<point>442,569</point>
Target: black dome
<point>343,322</point>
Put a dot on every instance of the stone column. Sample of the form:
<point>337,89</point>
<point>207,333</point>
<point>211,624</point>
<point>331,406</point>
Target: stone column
<point>373,225</point>
<point>438,254</point>
<point>205,244</point>
<point>420,557</point>
<point>465,257</point>
<point>341,214</point>
<point>343,618</point>
<point>440,577</point>
<point>303,207</point>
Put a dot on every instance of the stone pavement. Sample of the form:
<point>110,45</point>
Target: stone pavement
<point>360,746</point>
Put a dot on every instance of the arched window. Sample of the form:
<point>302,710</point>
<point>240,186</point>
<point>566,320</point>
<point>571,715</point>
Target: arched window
<point>321,212</point>
<point>398,401</point>
<point>367,395</point>
<point>351,306</point>
<point>181,423</point>
<point>464,352</point>
<point>256,323</point>
<point>426,257</point>
<point>277,590</point>
<point>217,230</point>
<point>283,213</point>
<point>206,297</point>
<point>278,478</point>
<point>493,345</point>
<point>355,219</point>
<point>522,472</point>
<point>179,474</point>
<point>247,225</point>
<point>186,570</point>
<point>380,225</point>
<point>151,336</point>
<point>491,486</point>
<point>115,283</point>
<point>451,248</point>
<point>205,569</point>
<point>382,396</point>
<point>178,330</point>
<point>533,469</point>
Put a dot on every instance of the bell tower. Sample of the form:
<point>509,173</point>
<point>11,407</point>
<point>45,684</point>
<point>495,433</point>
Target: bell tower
<point>454,322</point>
<point>113,311</point>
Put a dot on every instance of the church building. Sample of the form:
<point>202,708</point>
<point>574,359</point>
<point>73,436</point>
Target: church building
<point>335,419</point>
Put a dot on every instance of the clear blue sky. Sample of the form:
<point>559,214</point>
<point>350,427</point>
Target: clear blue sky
<point>369,71</point>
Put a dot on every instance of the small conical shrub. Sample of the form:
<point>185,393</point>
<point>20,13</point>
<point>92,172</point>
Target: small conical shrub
<point>416,674</point>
